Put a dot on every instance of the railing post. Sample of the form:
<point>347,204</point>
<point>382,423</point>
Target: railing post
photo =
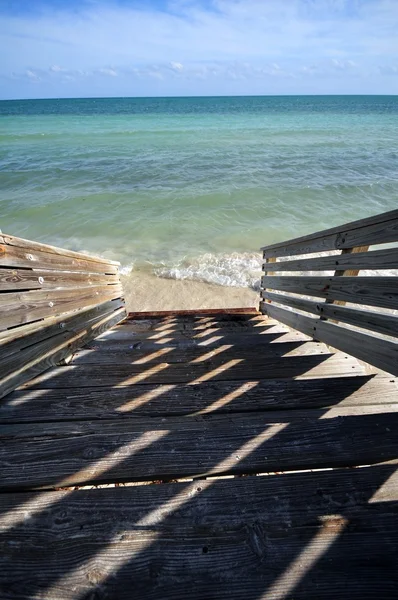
<point>345,273</point>
<point>267,260</point>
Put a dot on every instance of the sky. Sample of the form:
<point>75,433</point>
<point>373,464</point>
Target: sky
<point>97,48</point>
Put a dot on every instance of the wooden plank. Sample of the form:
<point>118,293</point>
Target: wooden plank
<point>218,355</point>
<point>374,260</point>
<point>84,452</point>
<point>39,357</point>
<point>38,247</point>
<point>14,340</point>
<point>213,397</point>
<point>151,330</point>
<point>378,229</point>
<point>201,312</point>
<point>302,323</point>
<point>302,536</point>
<point>375,351</point>
<point>385,324</point>
<point>12,279</point>
<point>13,256</point>
<point>124,342</point>
<point>23,307</point>
<point>26,279</point>
<point>154,326</point>
<point>371,291</point>
<point>322,365</point>
<point>175,333</point>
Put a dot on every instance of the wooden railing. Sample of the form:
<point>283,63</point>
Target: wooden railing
<point>52,301</point>
<point>369,334</point>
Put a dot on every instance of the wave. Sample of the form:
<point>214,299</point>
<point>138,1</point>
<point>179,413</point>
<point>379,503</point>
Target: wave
<point>230,270</point>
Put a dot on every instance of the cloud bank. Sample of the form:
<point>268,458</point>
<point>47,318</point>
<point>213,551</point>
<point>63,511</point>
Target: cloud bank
<point>198,47</point>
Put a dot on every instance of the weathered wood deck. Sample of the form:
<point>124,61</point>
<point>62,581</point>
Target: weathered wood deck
<point>230,445</point>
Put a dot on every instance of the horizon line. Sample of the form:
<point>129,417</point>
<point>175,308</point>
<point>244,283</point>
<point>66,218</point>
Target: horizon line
<point>192,96</point>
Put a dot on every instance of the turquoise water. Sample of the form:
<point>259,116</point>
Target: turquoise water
<point>192,187</point>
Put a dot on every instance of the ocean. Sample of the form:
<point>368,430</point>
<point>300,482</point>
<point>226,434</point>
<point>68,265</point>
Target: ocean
<point>184,191</point>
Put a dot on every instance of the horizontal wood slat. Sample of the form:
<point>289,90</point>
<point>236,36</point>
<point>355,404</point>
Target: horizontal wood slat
<point>379,229</point>
<point>133,356</point>
<point>83,452</point>
<point>374,260</point>
<point>372,291</point>
<point>23,307</point>
<point>225,540</point>
<point>269,367</point>
<point>378,352</point>
<point>11,240</point>
<point>376,322</point>
<point>40,405</point>
<point>13,256</point>
<point>26,279</point>
<point>14,340</point>
<point>24,365</point>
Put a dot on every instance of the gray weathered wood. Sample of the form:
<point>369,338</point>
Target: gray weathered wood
<point>32,360</point>
<point>13,256</point>
<point>307,536</point>
<point>379,229</point>
<point>190,324</point>
<point>374,260</point>
<point>213,397</point>
<point>176,332</point>
<point>18,308</point>
<point>101,355</point>
<point>14,340</point>
<point>116,341</point>
<point>26,279</point>
<point>38,247</point>
<point>292,319</point>
<point>372,291</point>
<point>378,352</point>
<point>385,324</point>
<point>39,357</point>
<point>381,353</point>
<point>322,365</point>
<point>76,453</point>
<point>219,313</point>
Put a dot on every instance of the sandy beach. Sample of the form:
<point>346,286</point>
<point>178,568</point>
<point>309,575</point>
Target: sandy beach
<point>145,292</point>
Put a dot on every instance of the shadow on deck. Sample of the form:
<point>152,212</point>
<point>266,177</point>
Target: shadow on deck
<point>202,457</point>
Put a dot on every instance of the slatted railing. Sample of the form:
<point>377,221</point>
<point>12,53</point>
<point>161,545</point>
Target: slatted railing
<point>354,313</point>
<point>52,301</point>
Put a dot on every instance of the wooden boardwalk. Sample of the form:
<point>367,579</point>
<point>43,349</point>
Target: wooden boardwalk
<point>203,456</point>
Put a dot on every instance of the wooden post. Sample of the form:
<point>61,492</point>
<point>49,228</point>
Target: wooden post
<point>272,259</point>
<point>346,273</point>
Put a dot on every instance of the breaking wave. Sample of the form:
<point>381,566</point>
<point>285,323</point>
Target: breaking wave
<point>231,270</point>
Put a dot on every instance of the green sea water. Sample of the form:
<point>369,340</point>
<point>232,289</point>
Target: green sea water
<point>192,187</point>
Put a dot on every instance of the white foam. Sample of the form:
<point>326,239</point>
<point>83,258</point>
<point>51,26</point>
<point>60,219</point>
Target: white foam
<point>231,270</point>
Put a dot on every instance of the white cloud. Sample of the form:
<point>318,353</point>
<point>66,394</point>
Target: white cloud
<point>56,69</point>
<point>240,41</point>
<point>107,71</point>
<point>176,66</point>
<point>32,75</point>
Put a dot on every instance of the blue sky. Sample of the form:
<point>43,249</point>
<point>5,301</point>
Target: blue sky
<point>83,48</point>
